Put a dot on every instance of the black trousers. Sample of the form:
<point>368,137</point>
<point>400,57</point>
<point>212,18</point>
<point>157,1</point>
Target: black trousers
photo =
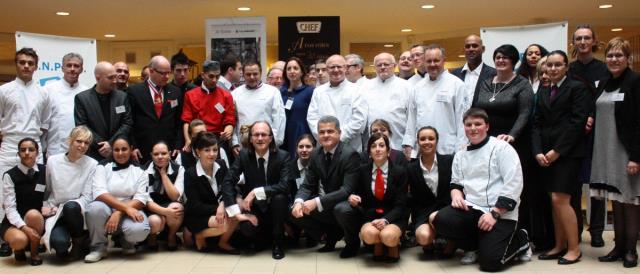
<point>69,225</point>
<point>495,248</point>
<point>335,222</point>
<point>271,215</point>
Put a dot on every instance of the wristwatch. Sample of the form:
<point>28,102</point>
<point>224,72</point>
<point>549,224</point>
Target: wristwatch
<point>495,214</point>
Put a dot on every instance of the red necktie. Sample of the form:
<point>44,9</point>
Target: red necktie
<point>157,100</point>
<point>379,189</point>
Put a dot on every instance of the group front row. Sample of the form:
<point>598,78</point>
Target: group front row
<point>330,192</point>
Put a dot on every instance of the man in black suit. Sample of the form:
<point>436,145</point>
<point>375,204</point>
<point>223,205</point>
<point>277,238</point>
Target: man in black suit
<point>320,204</point>
<point>156,109</point>
<point>267,176</point>
<point>474,71</point>
<point>104,110</point>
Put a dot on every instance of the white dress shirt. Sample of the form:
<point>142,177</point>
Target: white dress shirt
<point>471,81</point>
<point>438,103</point>
<point>178,184</point>
<point>212,179</point>
<point>125,184</point>
<point>374,175</point>
<point>344,102</point>
<point>10,205</point>
<point>430,175</point>
<point>388,100</point>
<point>263,103</point>
<point>224,83</point>
<point>62,96</point>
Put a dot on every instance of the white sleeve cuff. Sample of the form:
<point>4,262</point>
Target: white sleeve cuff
<point>318,204</point>
<point>298,201</point>
<point>233,210</point>
<point>260,194</point>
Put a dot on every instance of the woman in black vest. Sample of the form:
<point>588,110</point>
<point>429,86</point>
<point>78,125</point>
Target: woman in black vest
<point>166,185</point>
<point>24,187</point>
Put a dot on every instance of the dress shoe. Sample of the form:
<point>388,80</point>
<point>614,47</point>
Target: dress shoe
<point>277,252</point>
<point>630,259</point>
<point>35,262</point>
<point>597,241</point>
<point>612,256</point>
<point>349,251</point>
<point>393,260</point>
<point>20,256</point>
<point>232,251</point>
<point>5,250</point>
<point>172,247</point>
<point>328,247</point>
<point>564,261</point>
<point>547,256</point>
<point>379,258</point>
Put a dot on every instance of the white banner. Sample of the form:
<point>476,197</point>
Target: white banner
<point>552,36</point>
<point>51,49</point>
<point>246,37</point>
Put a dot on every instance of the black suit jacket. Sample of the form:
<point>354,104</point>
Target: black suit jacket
<point>559,125</point>
<point>394,203</point>
<point>338,182</point>
<point>278,175</point>
<point>485,73</point>
<point>201,200</point>
<point>87,112</point>
<point>422,199</point>
<point>627,112</point>
<point>149,129</point>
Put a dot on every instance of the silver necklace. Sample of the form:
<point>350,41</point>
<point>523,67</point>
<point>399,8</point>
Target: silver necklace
<point>493,98</point>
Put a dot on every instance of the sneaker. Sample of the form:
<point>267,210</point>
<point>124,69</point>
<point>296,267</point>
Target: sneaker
<point>526,255</point>
<point>524,252</point>
<point>95,256</point>
<point>470,257</point>
<point>127,248</point>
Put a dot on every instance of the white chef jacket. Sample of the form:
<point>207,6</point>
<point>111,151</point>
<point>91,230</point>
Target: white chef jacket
<point>388,100</point>
<point>125,184</point>
<point>441,104</point>
<point>25,109</point>
<point>68,180</point>
<point>344,102</point>
<point>416,78</point>
<point>263,103</point>
<point>62,96</point>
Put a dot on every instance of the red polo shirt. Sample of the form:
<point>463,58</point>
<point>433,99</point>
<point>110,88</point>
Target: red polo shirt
<point>208,107</point>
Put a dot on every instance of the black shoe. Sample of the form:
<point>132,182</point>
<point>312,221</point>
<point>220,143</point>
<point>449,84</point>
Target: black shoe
<point>277,252</point>
<point>172,247</point>
<point>349,251</point>
<point>630,259</point>
<point>597,241</point>
<point>612,256</point>
<point>5,250</point>
<point>311,242</point>
<point>20,256</point>
<point>42,249</point>
<point>328,247</point>
<point>379,258</point>
<point>547,256</point>
<point>564,261</point>
<point>35,262</point>
<point>233,251</point>
<point>393,260</point>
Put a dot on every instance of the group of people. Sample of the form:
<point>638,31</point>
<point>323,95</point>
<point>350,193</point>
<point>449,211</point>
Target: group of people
<point>456,160</point>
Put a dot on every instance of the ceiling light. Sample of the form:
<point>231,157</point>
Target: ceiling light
<point>244,8</point>
<point>461,56</point>
<point>388,46</point>
<point>428,6</point>
<point>110,35</point>
<point>605,6</point>
<point>62,13</point>
<point>616,29</point>
<point>406,30</point>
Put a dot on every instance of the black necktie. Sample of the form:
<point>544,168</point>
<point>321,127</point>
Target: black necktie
<point>262,180</point>
<point>327,161</point>
<point>31,172</point>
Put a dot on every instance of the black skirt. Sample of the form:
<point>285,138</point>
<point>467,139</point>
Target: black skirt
<point>562,175</point>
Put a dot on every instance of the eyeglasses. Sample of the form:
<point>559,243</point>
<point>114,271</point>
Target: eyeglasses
<point>384,65</point>
<point>260,134</point>
<point>352,66</point>
<point>163,73</point>
<point>336,67</point>
<point>617,56</point>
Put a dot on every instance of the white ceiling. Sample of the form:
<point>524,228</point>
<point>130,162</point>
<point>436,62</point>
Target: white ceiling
<point>361,20</point>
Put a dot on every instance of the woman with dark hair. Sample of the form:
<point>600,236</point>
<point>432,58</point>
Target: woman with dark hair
<point>24,187</point>
<point>527,68</point>
<point>304,147</point>
<point>296,96</point>
<point>558,145</point>
<point>429,178</point>
<point>188,159</point>
<point>166,186</point>
<point>617,149</point>
<point>383,127</point>
<point>380,195</point>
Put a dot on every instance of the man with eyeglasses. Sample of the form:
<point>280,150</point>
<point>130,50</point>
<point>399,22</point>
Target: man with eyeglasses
<point>62,93</point>
<point>255,102</point>
<point>105,110</point>
<point>180,67</point>
<point>405,66</point>
<point>438,101</point>
<point>212,104</point>
<point>388,98</point>
<point>156,107</point>
<point>417,57</point>
<point>355,69</point>
<point>474,71</point>
<point>342,99</point>
<point>122,75</point>
<point>25,110</point>
<point>274,77</point>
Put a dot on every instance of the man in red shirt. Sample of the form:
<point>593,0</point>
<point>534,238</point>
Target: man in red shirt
<point>211,104</point>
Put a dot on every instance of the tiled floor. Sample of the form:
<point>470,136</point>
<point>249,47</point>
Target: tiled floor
<point>305,261</point>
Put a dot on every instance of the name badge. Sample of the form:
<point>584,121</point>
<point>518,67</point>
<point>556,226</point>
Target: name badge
<point>442,98</point>
<point>173,103</point>
<point>40,188</point>
<point>289,103</point>
<point>219,107</point>
<point>618,97</point>
<point>299,182</point>
<point>120,109</point>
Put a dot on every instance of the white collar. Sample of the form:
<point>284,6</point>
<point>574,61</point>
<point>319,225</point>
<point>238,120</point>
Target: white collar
<point>559,84</point>
<point>435,163</point>
<point>380,81</point>
<point>339,85</point>
<point>226,83</point>
<point>200,170</point>
<point>384,167</point>
<point>25,169</point>
<point>265,156</point>
<point>68,85</point>
<point>477,70</point>
<point>151,171</point>
<point>19,81</point>
<point>333,151</point>
<point>300,165</point>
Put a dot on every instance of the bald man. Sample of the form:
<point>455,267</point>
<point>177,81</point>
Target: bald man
<point>104,110</point>
<point>388,98</point>
<point>122,75</point>
<point>156,110</point>
<point>474,71</point>
<point>342,99</point>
